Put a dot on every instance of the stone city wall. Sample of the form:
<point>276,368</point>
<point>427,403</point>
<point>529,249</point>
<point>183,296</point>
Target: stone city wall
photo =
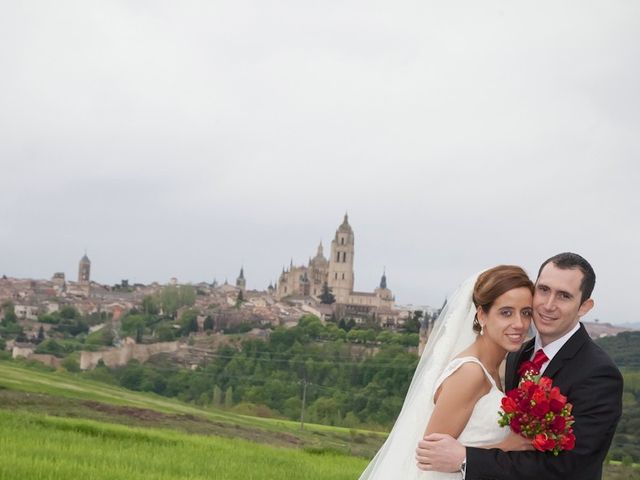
<point>27,352</point>
<point>118,357</point>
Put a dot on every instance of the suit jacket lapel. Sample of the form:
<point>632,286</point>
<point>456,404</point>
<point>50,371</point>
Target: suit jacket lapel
<point>568,350</point>
<point>511,374</point>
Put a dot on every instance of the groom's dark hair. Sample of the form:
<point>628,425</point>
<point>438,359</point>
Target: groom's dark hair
<point>568,260</point>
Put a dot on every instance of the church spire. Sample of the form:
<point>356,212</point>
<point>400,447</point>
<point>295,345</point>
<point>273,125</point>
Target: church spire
<point>383,280</point>
<point>241,282</point>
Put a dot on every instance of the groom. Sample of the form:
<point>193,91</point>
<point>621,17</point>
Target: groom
<point>583,371</point>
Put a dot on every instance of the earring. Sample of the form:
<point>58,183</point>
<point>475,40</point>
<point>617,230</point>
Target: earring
<point>481,329</point>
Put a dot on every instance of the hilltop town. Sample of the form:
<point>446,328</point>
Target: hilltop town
<point>62,308</point>
<point>47,319</point>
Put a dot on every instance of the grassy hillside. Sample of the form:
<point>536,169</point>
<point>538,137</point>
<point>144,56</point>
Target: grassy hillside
<point>56,426</point>
<point>37,446</point>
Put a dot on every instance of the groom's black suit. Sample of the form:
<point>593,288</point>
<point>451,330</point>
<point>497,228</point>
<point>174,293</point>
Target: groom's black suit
<point>593,384</point>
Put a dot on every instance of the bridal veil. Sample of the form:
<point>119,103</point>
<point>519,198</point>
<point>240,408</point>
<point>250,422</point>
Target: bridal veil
<point>451,334</point>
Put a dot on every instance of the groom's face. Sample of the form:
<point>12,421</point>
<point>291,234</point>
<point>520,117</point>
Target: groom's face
<point>556,302</point>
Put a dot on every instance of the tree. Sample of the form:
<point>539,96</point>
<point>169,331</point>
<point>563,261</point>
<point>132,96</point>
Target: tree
<point>170,300</point>
<point>228,397</point>
<point>189,322</point>
<point>132,375</point>
<point>327,297</point>
<point>165,333</point>
<point>311,325</point>
<point>173,297</point>
<point>412,325</point>
<point>21,337</point>
<point>133,326</point>
<point>51,347</point>
<point>40,336</point>
<point>346,325</point>
<point>69,312</point>
<point>240,299</point>
<point>149,305</point>
<point>70,364</point>
<point>9,313</point>
<point>187,295</point>
<point>217,396</point>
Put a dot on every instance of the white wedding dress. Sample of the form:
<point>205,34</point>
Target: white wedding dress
<point>482,429</point>
<point>451,335</point>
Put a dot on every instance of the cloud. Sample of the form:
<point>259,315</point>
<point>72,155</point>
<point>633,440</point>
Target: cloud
<point>187,139</point>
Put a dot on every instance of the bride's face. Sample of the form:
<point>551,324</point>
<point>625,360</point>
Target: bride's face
<point>507,321</point>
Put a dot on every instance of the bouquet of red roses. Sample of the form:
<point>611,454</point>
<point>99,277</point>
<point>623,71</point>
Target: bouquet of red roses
<point>537,410</point>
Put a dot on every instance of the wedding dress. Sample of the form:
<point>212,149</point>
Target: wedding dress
<point>452,333</point>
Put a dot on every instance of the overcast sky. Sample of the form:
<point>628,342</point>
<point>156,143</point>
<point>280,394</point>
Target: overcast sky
<point>189,138</point>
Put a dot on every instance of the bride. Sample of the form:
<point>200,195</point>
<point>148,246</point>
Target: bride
<point>456,388</point>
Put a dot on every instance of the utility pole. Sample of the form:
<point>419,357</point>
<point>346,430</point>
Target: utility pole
<point>304,399</point>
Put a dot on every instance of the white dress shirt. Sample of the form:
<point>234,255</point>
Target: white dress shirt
<point>554,347</point>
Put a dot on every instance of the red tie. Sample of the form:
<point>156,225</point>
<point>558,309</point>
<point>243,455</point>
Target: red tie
<point>533,365</point>
<point>539,358</point>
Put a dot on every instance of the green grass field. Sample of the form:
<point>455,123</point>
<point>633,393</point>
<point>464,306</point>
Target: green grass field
<point>54,425</point>
<point>58,426</point>
<point>36,446</point>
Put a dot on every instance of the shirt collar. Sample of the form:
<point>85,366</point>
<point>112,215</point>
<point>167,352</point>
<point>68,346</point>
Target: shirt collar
<point>554,347</point>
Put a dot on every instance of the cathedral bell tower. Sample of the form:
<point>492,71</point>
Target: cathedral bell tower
<point>241,282</point>
<point>340,278</point>
<point>84,270</point>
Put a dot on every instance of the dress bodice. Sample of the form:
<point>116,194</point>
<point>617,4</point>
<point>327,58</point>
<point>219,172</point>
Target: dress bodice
<point>482,429</point>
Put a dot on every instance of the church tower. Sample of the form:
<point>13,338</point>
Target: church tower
<point>84,270</point>
<point>241,283</point>
<point>340,278</point>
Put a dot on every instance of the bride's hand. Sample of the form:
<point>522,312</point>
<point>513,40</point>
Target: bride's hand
<point>514,443</point>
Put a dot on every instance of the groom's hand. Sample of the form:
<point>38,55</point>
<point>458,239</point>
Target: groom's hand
<point>440,452</point>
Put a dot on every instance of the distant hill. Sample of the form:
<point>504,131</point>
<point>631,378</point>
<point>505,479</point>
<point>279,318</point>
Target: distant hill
<point>600,329</point>
<point>634,325</point>
<point>623,348</point>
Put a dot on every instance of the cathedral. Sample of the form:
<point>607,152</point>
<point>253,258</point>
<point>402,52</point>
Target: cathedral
<point>337,273</point>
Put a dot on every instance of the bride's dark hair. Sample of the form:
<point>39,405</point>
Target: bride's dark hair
<point>494,282</point>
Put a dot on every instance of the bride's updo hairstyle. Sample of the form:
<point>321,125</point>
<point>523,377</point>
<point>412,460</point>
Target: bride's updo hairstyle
<point>493,283</point>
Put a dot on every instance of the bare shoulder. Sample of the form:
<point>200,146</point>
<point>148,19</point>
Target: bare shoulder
<point>471,372</point>
<point>468,381</point>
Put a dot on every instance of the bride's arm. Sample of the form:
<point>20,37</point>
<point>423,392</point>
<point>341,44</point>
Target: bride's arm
<point>455,399</point>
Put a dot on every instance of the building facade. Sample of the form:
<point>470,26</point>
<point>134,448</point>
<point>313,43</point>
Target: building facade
<point>338,274</point>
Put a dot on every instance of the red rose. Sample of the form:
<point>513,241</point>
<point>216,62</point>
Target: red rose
<point>524,405</point>
<point>555,405</point>
<point>539,396</point>
<point>545,382</point>
<point>509,405</point>
<point>514,394</point>
<point>568,441</point>
<point>541,409</point>
<point>532,389</point>
<point>554,394</point>
<point>515,425</point>
<point>558,425</point>
<point>543,443</point>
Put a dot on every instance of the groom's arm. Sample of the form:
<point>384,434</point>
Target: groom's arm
<point>597,409</point>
